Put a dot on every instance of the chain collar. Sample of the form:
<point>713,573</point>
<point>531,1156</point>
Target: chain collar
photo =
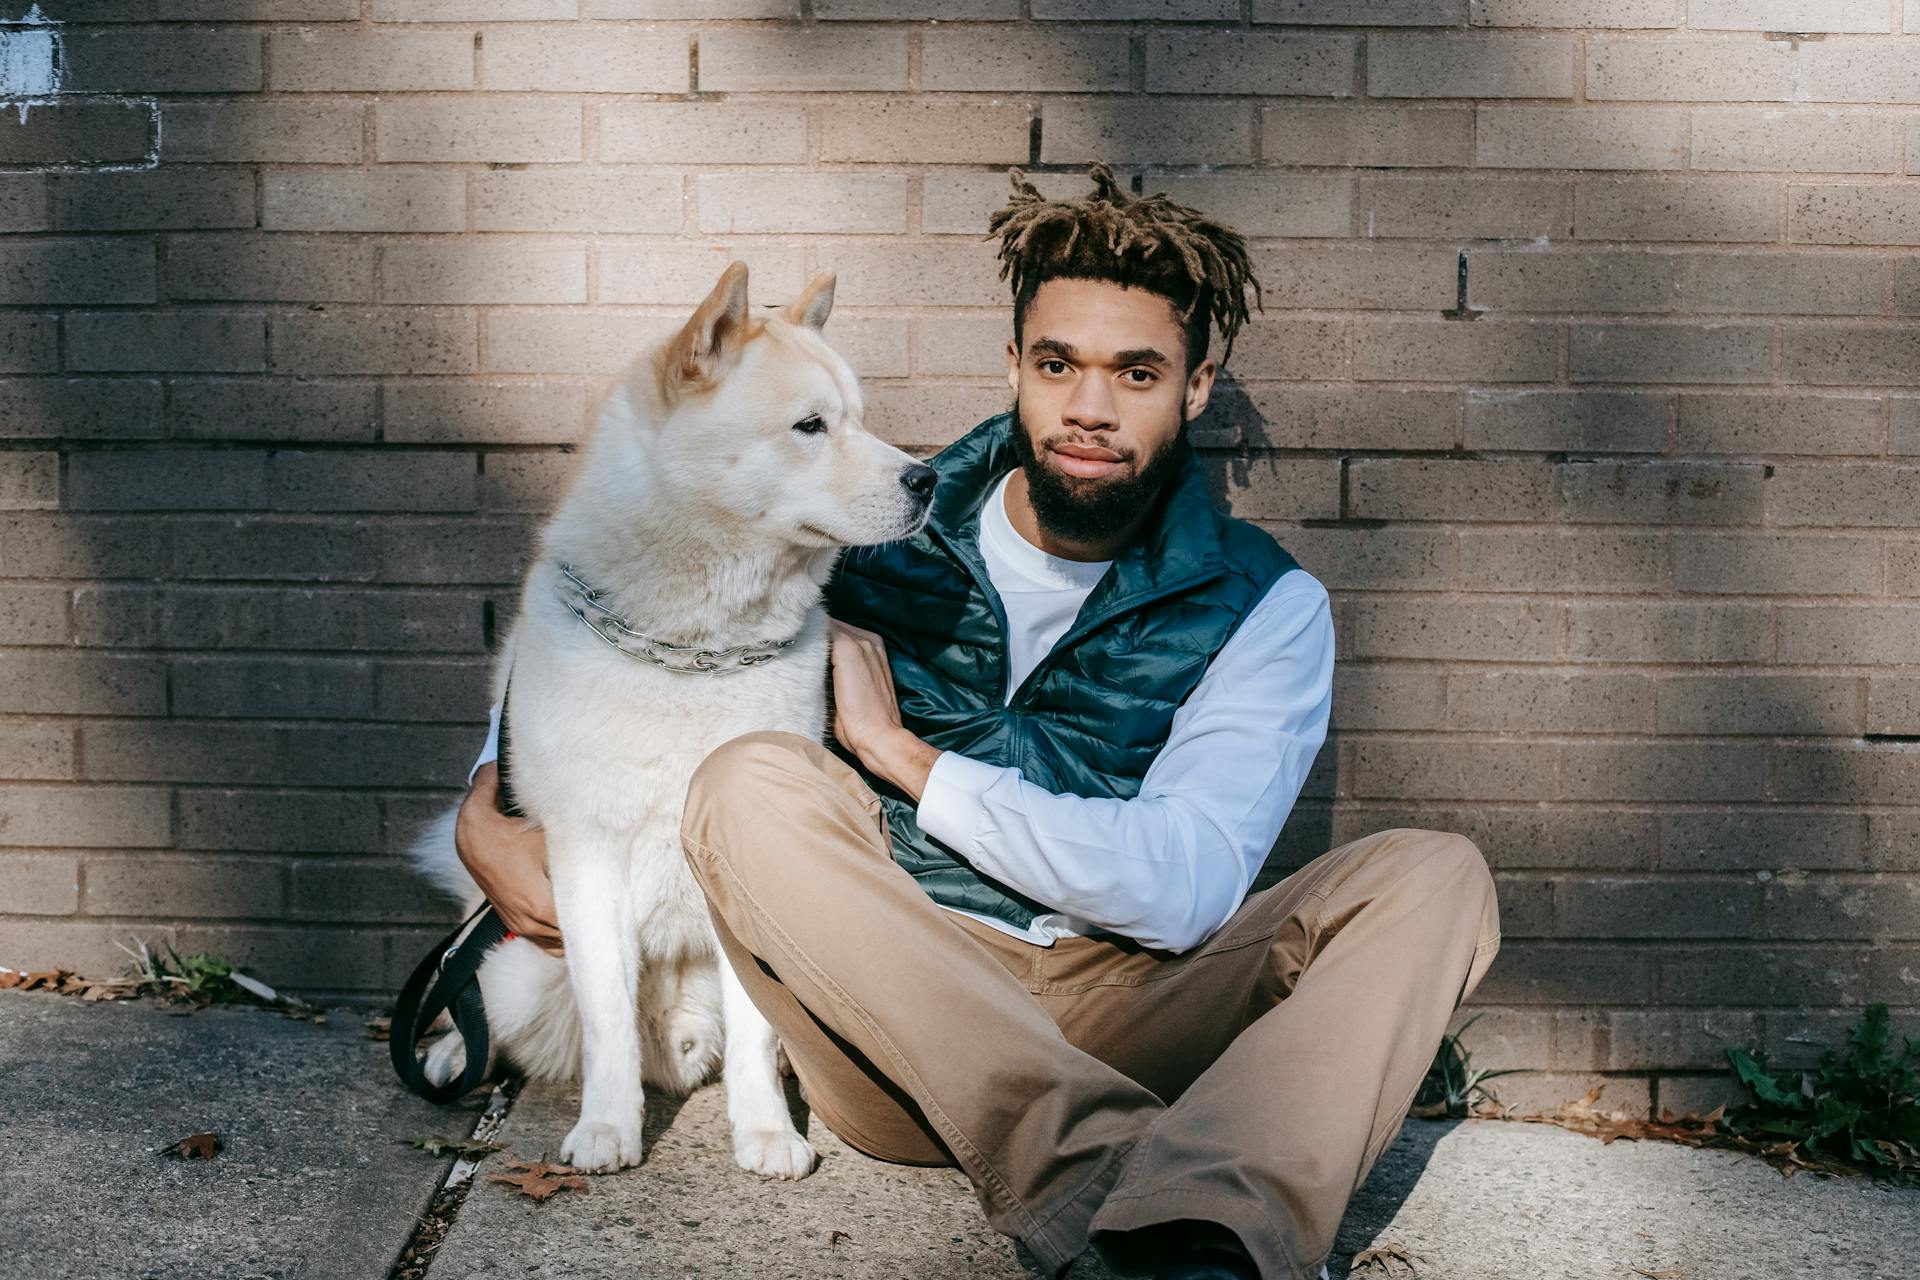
<point>583,602</point>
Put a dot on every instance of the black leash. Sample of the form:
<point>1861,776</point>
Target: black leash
<point>456,960</point>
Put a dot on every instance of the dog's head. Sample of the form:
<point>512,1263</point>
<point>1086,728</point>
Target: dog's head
<point>756,418</point>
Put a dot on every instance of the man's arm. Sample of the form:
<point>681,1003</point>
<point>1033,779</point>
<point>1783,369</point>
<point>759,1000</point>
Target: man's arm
<point>1170,865</point>
<point>506,856</point>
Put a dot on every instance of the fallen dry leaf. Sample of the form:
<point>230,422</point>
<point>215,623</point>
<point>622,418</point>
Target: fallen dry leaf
<point>379,1028</point>
<point>1656,1275</point>
<point>435,1144</point>
<point>834,1239</point>
<point>539,1179</point>
<point>97,989</point>
<point>1384,1257</point>
<point>195,1146</point>
<point>1692,1129</point>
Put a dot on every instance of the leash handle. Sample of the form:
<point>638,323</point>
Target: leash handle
<point>457,961</point>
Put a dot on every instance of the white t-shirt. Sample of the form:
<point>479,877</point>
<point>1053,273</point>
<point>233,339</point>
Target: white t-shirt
<point>1041,593</point>
<point>1170,865</point>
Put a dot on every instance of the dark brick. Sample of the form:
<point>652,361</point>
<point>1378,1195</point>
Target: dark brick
<point>80,408</point>
<point>78,131</point>
<point>279,821</point>
<point>274,688</point>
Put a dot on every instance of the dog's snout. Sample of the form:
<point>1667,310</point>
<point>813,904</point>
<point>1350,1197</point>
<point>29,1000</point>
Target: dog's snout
<point>919,480</point>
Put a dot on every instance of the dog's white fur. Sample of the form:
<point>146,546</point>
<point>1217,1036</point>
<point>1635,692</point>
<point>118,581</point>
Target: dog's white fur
<point>705,518</point>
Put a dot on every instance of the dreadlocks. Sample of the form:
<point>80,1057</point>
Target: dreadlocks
<point>1146,242</point>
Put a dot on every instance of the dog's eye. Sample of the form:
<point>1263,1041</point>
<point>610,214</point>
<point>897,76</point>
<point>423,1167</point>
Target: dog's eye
<point>811,425</point>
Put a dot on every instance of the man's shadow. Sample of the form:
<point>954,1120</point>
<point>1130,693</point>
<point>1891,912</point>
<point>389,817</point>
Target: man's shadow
<point>1387,1187</point>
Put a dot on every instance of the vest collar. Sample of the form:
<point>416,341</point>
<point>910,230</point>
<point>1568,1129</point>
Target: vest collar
<point>1179,547</point>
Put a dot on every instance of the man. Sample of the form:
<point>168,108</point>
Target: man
<point>1004,922</point>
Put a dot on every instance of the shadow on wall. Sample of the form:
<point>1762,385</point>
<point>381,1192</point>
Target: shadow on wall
<point>1596,455</point>
<point>305,315</point>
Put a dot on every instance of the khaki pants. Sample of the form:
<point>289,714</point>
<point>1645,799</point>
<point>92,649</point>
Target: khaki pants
<point>1094,1089</point>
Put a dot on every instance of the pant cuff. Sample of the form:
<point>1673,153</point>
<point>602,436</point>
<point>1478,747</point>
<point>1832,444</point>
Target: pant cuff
<point>1059,1235</point>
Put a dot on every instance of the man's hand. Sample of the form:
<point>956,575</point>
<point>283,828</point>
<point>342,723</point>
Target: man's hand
<point>507,858</point>
<point>866,712</point>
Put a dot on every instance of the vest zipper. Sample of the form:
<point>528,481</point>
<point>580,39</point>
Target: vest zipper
<point>979,575</point>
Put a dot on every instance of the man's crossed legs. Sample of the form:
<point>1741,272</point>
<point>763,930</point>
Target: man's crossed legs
<point>1093,1090</point>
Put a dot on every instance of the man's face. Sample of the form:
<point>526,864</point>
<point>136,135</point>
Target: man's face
<point>1101,401</point>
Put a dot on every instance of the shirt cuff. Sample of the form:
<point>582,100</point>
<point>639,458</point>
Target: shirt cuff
<point>491,751</point>
<point>954,799</point>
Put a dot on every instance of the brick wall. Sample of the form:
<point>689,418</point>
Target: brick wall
<point>1589,383</point>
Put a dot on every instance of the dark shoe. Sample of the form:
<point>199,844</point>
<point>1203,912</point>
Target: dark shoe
<point>1208,1263</point>
<point>1212,1264</point>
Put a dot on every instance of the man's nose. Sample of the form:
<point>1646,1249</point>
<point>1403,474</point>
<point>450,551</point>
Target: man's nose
<point>1090,407</point>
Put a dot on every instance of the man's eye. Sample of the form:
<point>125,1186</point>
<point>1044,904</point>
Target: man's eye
<point>1148,378</point>
<point>1044,366</point>
<point>810,425</point>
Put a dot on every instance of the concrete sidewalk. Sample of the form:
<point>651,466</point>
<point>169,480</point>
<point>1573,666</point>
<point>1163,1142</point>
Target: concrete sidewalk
<point>312,1182</point>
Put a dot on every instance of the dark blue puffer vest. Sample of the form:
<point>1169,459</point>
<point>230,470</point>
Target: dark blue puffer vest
<point>1090,718</point>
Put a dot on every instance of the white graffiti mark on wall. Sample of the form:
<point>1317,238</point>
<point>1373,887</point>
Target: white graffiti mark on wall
<point>30,66</point>
<point>33,73</point>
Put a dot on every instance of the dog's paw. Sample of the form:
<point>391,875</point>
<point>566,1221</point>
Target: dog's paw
<point>446,1059</point>
<point>774,1153</point>
<point>599,1147</point>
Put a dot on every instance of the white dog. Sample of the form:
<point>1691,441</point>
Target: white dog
<point>727,468</point>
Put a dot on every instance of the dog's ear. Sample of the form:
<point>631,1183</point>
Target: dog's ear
<point>813,304</point>
<point>712,338</point>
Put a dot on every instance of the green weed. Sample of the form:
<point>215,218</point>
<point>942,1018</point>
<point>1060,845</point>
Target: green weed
<point>1861,1109</point>
<point>1453,1084</point>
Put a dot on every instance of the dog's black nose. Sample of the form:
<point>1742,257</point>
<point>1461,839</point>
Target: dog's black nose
<point>919,480</point>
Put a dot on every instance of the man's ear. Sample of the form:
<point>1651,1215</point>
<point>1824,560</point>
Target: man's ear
<point>814,303</point>
<point>711,340</point>
<point>1200,386</point>
<point>1013,366</point>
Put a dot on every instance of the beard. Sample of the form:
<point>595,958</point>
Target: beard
<point>1090,508</point>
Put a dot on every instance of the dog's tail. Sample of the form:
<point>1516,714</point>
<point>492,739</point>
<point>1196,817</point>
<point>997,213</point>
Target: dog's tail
<point>435,858</point>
